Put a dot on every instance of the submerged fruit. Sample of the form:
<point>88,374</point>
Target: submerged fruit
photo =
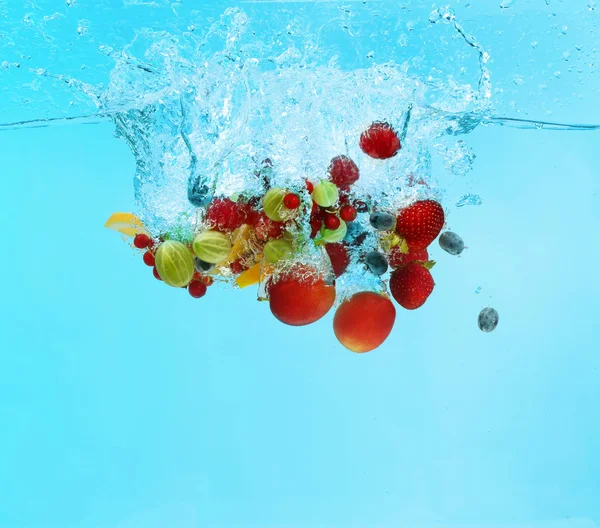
<point>343,171</point>
<point>175,263</point>
<point>273,205</point>
<point>339,256</point>
<point>212,246</point>
<point>363,322</point>
<point>197,289</point>
<point>411,285</point>
<point>224,214</point>
<point>380,141</point>
<point>336,235</point>
<point>276,250</point>
<point>300,296</point>
<point>325,194</point>
<point>420,223</point>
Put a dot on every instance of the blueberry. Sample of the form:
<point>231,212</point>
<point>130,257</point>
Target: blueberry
<point>451,243</point>
<point>488,320</point>
<point>382,221</point>
<point>376,262</point>
<point>202,267</point>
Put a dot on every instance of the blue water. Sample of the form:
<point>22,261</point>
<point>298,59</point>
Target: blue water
<point>126,403</point>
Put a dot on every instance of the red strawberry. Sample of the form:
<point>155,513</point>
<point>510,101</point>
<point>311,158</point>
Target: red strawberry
<point>339,256</point>
<point>411,285</point>
<point>420,223</point>
<point>343,171</point>
<point>225,215</point>
<point>397,259</point>
<point>380,141</point>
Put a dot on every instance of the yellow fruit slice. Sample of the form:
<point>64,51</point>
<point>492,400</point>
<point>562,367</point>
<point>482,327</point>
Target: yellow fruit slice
<point>126,223</point>
<point>239,241</point>
<point>254,275</point>
<point>249,277</point>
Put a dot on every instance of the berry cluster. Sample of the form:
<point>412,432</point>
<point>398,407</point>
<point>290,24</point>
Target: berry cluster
<point>247,237</point>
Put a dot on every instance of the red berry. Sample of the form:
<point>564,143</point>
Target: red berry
<point>156,275</point>
<point>332,221</point>
<point>141,241</point>
<point>339,256</point>
<point>291,201</point>
<point>237,267</point>
<point>267,229</point>
<point>225,215</point>
<point>343,171</point>
<point>149,258</point>
<point>411,285</point>
<point>380,141</point>
<point>310,186</point>
<point>420,223</point>
<point>397,259</point>
<point>348,213</point>
<point>197,289</point>
<point>315,226</point>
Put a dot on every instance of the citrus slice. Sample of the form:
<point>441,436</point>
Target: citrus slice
<point>127,224</point>
<point>254,275</point>
<point>240,243</point>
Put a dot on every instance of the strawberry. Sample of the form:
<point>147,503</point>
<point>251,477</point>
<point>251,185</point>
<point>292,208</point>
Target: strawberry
<point>420,223</point>
<point>411,285</point>
<point>380,141</point>
<point>398,259</point>
<point>339,256</point>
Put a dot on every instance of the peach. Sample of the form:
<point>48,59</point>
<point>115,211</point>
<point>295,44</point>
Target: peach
<point>364,321</point>
<point>300,296</point>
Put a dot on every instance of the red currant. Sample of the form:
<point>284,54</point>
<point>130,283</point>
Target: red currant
<point>291,201</point>
<point>149,258</point>
<point>141,241</point>
<point>332,222</point>
<point>197,289</point>
<point>348,213</point>
<point>156,275</point>
<point>310,186</point>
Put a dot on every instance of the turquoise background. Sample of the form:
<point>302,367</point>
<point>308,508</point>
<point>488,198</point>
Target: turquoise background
<point>126,403</point>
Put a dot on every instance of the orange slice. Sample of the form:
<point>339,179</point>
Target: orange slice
<point>254,275</point>
<point>127,224</point>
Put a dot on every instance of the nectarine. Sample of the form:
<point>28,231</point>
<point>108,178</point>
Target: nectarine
<point>300,296</point>
<point>364,321</point>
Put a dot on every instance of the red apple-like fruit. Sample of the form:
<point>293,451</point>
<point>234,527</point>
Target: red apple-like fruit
<point>300,296</point>
<point>363,322</point>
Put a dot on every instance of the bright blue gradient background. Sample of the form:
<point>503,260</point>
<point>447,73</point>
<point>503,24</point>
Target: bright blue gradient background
<point>125,403</point>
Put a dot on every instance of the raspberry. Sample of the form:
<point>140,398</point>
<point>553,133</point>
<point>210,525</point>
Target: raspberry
<point>225,215</point>
<point>267,229</point>
<point>380,141</point>
<point>343,171</point>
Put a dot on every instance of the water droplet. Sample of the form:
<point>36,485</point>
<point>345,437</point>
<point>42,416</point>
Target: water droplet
<point>534,44</point>
<point>505,4</point>
<point>564,30</point>
<point>478,290</point>
<point>28,20</point>
<point>592,4</point>
<point>71,3</point>
<point>191,27</point>
<point>557,74</point>
<point>370,55</point>
<point>469,199</point>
